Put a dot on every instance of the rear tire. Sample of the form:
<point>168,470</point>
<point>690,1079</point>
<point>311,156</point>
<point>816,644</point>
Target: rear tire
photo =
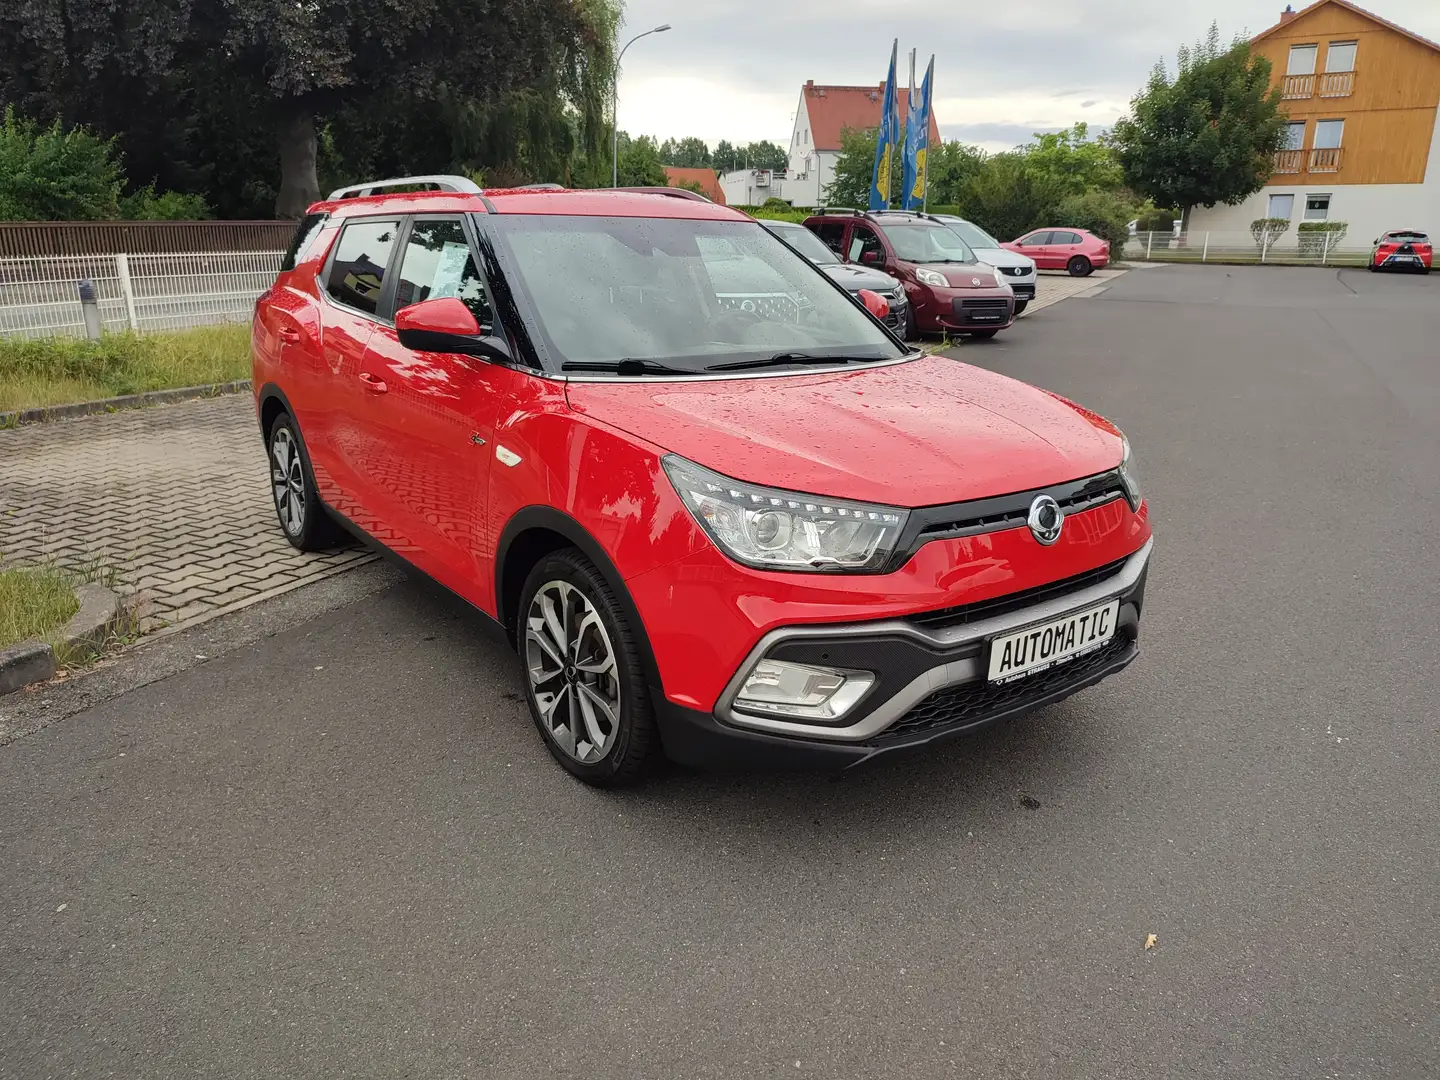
<point>1079,266</point>
<point>303,517</point>
<point>584,681</point>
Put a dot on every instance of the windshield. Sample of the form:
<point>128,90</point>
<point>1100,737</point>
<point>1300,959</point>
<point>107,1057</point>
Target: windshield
<point>687,294</point>
<point>926,242</point>
<point>805,242</point>
<point>973,235</point>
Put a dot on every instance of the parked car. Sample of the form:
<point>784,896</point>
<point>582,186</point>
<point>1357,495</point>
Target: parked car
<point>1403,249</point>
<point>1075,250</point>
<point>770,535</point>
<point>948,288</point>
<point>1017,270</point>
<point>850,278</point>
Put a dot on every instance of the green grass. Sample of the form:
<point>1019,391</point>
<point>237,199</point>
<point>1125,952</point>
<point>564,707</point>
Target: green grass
<point>35,602</point>
<point>61,371</point>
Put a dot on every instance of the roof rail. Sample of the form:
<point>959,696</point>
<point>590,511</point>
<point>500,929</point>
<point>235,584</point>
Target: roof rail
<point>673,192</point>
<point>460,184</point>
<point>539,187</point>
<point>838,210</point>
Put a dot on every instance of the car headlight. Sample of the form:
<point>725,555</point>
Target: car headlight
<point>771,529</point>
<point>1129,477</point>
<point>931,277</point>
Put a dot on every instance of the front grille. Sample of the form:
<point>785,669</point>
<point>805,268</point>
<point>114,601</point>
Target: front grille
<point>1001,605</point>
<point>1015,271</point>
<point>1027,291</point>
<point>995,515</point>
<point>973,703</point>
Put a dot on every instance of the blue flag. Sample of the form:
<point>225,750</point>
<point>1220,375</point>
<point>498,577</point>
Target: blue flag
<point>886,143</point>
<point>917,142</point>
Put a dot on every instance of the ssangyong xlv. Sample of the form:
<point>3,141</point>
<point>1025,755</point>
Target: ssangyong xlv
<point>738,523</point>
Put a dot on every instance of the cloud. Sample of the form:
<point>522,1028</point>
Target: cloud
<point>1089,104</point>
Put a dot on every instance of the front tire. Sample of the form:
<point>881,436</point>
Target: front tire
<point>1079,266</point>
<point>584,681</point>
<point>303,518</point>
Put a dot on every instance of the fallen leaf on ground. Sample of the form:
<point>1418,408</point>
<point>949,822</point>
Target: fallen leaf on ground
<point>1151,941</point>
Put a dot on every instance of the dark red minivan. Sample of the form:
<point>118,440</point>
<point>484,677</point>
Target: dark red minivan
<point>722,512</point>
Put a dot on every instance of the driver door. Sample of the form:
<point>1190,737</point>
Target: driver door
<point>865,247</point>
<point>1037,246</point>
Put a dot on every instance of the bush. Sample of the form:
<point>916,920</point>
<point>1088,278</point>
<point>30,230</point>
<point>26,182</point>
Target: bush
<point>145,205</point>
<point>1103,213</point>
<point>1320,237</point>
<point>1156,219</point>
<point>1267,230</point>
<point>773,203</point>
<point>50,174</point>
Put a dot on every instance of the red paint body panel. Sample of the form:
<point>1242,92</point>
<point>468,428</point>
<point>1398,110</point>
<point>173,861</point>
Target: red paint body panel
<point>922,433</point>
<point>727,608</point>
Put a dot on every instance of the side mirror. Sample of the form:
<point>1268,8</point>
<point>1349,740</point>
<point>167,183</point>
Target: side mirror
<point>870,258</point>
<point>874,303</point>
<point>446,325</point>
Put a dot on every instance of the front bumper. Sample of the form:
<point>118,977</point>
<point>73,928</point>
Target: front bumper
<point>931,678</point>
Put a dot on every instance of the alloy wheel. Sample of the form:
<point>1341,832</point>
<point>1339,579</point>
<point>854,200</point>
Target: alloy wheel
<point>287,477</point>
<point>573,675</point>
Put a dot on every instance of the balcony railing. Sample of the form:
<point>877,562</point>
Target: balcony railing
<point>1289,161</point>
<point>1325,161</point>
<point>1298,86</point>
<point>1337,84</point>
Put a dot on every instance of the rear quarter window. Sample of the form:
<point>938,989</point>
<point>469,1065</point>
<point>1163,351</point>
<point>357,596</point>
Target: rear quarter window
<point>305,234</point>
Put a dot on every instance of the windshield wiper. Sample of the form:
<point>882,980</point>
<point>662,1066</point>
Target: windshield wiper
<point>790,358</point>
<point>627,365</point>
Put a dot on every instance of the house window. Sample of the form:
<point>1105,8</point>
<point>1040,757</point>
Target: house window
<point>1317,207</point>
<point>1340,56</point>
<point>1281,206</point>
<point>1328,133</point>
<point>1295,135</point>
<point>1302,60</point>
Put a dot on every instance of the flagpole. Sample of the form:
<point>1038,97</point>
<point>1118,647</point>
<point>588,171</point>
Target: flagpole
<point>930,94</point>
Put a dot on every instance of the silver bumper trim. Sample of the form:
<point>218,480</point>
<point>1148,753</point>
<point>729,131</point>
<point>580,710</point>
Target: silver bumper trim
<point>927,682</point>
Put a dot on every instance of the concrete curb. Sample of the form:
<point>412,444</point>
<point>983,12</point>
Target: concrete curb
<point>34,661</point>
<point>127,401</point>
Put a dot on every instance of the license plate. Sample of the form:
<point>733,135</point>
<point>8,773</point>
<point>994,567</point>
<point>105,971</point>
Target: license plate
<point>1042,646</point>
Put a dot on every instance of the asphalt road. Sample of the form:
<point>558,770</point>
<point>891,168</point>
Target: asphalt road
<point>342,851</point>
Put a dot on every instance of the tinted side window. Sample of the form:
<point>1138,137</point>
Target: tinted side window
<point>833,233</point>
<point>437,262</point>
<point>357,271</point>
<point>864,242</point>
<point>309,226</point>
<point>1039,239</point>
<point>1064,238</point>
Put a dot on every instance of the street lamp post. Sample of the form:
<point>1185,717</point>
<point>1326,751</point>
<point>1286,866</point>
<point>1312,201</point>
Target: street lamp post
<point>615,105</point>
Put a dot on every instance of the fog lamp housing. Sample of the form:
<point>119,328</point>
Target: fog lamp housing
<point>801,691</point>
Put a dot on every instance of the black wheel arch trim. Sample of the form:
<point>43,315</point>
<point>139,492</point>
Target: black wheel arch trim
<point>271,392</point>
<point>557,521</point>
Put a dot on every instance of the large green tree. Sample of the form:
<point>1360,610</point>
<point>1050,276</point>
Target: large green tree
<point>687,153</point>
<point>409,86</point>
<point>1209,134</point>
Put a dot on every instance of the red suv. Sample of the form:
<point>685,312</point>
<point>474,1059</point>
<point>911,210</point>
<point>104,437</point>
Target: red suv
<point>947,286</point>
<point>718,508</point>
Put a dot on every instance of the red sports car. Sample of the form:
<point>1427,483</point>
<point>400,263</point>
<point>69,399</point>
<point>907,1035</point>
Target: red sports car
<point>1075,250</point>
<point>1403,249</point>
<point>720,511</point>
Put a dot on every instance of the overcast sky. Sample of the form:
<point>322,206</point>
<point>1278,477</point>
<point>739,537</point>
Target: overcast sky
<point>732,69</point>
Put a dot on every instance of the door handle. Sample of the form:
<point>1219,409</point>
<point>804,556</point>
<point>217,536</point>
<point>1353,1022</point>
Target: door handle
<point>372,383</point>
<point>290,334</point>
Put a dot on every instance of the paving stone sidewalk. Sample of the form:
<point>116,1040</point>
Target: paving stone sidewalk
<point>175,497</point>
<point>1052,286</point>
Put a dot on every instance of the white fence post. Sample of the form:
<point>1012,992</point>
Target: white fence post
<point>1264,244</point>
<point>1204,255</point>
<point>1149,243</point>
<point>122,271</point>
<point>1325,255</point>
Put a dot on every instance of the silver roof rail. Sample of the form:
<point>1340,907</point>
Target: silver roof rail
<point>673,192</point>
<point>460,184</point>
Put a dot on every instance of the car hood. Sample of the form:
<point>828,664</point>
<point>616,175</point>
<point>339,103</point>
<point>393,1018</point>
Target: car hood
<point>1003,257</point>
<point>965,275</point>
<point>920,433</point>
<point>855,278</point>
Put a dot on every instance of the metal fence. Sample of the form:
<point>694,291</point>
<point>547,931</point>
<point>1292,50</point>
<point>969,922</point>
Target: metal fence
<point>1288,249</point>
<point>150,291</point>
<point>36,239</point>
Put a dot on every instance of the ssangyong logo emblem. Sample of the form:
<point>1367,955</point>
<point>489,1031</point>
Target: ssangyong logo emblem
<point>975,281</point>
<point>1046,520</point>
